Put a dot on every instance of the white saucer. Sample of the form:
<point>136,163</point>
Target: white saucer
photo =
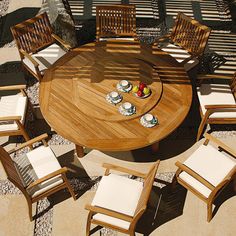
<point>126,113</point>
<point>121,89</point>
<point>110,100</point>
<point>147,124</point>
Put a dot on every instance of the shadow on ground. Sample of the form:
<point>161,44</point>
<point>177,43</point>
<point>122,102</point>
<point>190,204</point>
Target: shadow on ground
<point>14,18</point>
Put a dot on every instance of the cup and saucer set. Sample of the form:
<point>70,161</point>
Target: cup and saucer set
<point>124,86</point>
<point>148,120</point>
<point>114,97</point>
<point>127,109</point>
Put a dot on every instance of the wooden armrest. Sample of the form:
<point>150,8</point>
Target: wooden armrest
<point>219,106</point>
<point>108,212</point>
<point>13,87</point>
<point>209,76</point>
<point>122,169</point>
<point>47,177</point>
<point>41,137</point>
<point>195,175</point>
<point>10,118</point>
<point>35,63</point>
<point>161,39</point>
<point>220,144</point>
<point>61,41</point>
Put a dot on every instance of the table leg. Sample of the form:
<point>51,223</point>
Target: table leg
<point>155,147</point>
<point>79,150</point>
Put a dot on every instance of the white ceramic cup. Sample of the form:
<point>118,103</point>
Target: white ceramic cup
<point>114,95</point>
<point>148,118</point>
<point>127,106</point>
<point>124,83</point>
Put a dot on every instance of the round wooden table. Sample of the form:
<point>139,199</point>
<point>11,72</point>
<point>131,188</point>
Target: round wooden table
<point>73,92</point>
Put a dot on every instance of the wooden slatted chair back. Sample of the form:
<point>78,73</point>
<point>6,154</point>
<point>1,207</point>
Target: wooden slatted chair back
<point>10,169</point>
<point>116,20</point>
<point>190,34</point>
<point>33,34</point>
<point>233,85</point>
<point>147,187</point>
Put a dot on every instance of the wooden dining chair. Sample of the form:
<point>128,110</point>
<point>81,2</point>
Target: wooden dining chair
<point>187,41</point>
<point>37,173</point>
<point>13,111</point>
<point>116,22</point>
<point>207,171</point>
<point>217,103</point>
<point>119,202</point>
<point>38,46</point>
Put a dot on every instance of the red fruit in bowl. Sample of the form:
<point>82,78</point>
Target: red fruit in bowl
<point>142,86</point>
<point>140,93</point>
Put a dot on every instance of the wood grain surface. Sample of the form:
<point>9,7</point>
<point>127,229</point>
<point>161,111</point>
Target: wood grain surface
<point>73,91</point>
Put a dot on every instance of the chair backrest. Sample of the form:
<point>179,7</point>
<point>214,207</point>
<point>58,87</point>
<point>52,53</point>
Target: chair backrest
<point>33,34</point>
<point>233,85</point>
<point>115,20</point>
<point>190,34</point>
<point>10,169</point>
<point>147,187</point>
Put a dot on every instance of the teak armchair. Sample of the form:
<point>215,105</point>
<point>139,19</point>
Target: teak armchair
<point>187,41</point>
<point>37,46</point>
<point>207,171</point>
<point>116,22</point>
<point>13,111</point>
<point>37,173</point>
<point>119,201</point>
<point>217,103</point>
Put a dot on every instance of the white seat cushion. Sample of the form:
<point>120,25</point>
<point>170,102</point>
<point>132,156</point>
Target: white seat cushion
<point>179,54</point>
<point>45,57</point>
<point>37,164</point>
<point>116,38</point>
<point>209,163</point>
<point>119,194</point>
<point>13,105</point>
<point>216,94</point>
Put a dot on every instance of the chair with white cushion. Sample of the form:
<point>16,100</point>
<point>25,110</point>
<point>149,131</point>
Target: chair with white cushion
<point>37,173</point>
<point>13,111</point>
<point>186,42</point>
<point>119,201</point>
<point>37,44</point>
<point>208,170</point>
<point>217,103</point>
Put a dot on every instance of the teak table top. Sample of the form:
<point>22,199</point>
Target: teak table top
<point>73,91</point>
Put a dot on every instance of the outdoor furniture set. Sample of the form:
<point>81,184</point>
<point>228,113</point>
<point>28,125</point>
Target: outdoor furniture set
<point>80,95</point>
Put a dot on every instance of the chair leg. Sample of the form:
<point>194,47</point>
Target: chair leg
<point>71,191</point>
<point>209,211</point>
<point>201,127</point>
<point>88,224</point>
<point>30,211</point>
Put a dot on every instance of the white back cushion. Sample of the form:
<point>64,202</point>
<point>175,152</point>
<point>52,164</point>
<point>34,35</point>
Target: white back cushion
<point>216,94</point>
<point>44,162</point>
<point>12,105</point>
<point>120,194</point>
<point>45,57</point>
<point>209,163</point>
<point>180,54</point>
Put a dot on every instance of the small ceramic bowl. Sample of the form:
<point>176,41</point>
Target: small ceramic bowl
<point>124,84</point>
<point>114,95</point>
<point>127,106</point>
<point>148,118</point>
